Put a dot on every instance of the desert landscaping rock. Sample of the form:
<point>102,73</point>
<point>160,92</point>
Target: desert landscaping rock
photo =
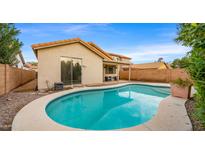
<point>12,103</point>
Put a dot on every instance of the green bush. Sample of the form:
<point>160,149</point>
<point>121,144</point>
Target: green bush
<point>180,63</point>
<point>193,35</point>
<point>182,83</point>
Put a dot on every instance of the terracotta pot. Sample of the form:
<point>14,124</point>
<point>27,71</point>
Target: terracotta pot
<point>182,92</point>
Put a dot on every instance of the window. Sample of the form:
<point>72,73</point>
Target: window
<point>110,70</point>
<point>116,58</point>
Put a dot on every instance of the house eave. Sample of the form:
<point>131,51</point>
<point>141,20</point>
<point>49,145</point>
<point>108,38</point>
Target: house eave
<point>37,47</point>
<point>116,62</point>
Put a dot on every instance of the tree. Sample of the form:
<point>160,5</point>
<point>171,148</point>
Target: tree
<point>9,44</point>
<point>180,63</point>
<point>193,35</point>
<point>160,59</point>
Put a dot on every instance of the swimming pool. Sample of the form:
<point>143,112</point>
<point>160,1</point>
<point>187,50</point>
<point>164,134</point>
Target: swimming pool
<point>107,109</point>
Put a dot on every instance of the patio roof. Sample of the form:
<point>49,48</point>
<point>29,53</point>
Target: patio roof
<point>116,62</point>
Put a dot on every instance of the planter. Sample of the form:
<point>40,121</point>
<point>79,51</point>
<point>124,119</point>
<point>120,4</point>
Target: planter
<point>182,92</point>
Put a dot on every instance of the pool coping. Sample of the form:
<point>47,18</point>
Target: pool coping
<point>171,114</point>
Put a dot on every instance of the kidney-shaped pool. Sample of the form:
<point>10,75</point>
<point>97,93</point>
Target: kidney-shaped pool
<point>107,109</point>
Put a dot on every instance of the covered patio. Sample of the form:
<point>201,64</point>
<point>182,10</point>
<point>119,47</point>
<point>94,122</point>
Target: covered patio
<point>111,70</point>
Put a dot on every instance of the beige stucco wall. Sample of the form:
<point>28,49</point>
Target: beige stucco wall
<point>49,66</point>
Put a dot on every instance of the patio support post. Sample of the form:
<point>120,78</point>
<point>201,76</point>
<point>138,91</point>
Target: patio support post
<point>129,71</point>
<point>118,72</point>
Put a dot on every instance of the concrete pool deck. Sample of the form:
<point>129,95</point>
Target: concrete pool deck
<point>171,114</point>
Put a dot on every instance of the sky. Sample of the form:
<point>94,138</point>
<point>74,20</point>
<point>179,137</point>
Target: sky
<point>142,42</point>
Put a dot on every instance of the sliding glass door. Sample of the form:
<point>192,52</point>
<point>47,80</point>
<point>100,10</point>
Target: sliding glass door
<point>76,71</point>
<point>71,70</point>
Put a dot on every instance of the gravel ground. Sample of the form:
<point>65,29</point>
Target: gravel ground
<point>197,126</point>
<point>13,102</point>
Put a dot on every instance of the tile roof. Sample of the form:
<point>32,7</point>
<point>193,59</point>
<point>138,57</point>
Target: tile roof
<point>38,46</point>
<point>155,65</point>
<point>108,53</point>
<point>97,47</point>
<point>92,46</point>
<point>117,55</point>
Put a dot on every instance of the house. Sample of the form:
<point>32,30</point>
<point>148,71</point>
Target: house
<point>154,65</point>
<point>20,59</point>
<point>75,62</point>
<point>30,66</point>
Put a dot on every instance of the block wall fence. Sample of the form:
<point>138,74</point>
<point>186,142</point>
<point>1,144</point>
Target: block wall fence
<point>11,77</point>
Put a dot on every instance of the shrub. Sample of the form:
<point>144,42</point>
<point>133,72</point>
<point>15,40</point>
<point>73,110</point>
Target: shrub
<point>193,35</point>
<point>182,83</point>
<point>180,63</point>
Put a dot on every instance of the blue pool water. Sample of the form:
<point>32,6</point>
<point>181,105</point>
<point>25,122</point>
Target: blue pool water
<point>107,109</point>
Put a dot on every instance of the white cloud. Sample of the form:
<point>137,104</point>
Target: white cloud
<point>29,55</point>
<point>29,30</point>
<point>76,28</point>
<point>150,53</point>
<point>73,29</point>
<point>37,32</point>
<point>83,28</point>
